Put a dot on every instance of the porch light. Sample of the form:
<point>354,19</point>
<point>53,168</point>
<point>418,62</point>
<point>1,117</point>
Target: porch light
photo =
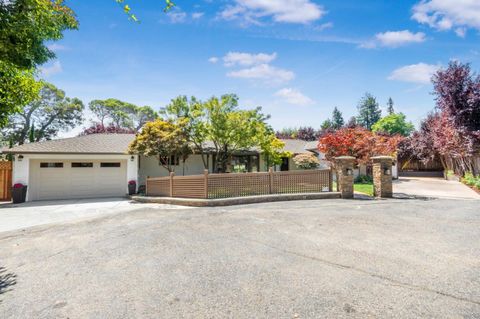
<point>132,158</point>
<point>20,158</point>
<point>387,172</point>
<point>349,172</point>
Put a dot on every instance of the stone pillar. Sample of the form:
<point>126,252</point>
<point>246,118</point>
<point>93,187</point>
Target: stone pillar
<point>382,176</point>
<point>344,166</point>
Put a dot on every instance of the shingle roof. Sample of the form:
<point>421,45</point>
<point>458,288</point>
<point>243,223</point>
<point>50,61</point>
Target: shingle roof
<point>294,146</point>
<point>88,144</point>
<point>312,146</point>
<point>111,144</point>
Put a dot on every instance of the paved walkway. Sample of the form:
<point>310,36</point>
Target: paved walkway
<point>432,187</point>
<point>14,217</point>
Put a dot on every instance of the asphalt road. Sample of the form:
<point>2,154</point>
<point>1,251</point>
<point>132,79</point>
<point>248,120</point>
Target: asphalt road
<point>310,259</point>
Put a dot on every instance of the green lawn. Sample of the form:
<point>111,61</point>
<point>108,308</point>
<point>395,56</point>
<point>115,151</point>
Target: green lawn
<point>361,188</point>
<point>364,188</point>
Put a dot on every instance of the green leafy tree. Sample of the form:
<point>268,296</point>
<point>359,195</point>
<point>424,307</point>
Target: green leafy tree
<point>288,133</point>
<point>52,112</point>
<point>369,111</point>
<point>17,88</point>
<point>162,139</point>
<point>390,108</point>
<point>337,119</point>
<point>190,114</point>
<point>230,129</point>
<point>169,4</point>
<point>272,147</point>
<point>395,123</point>
<point>113,112</point>
<point>327,124</point>
<point>25,26</point>
<point>220,127</point>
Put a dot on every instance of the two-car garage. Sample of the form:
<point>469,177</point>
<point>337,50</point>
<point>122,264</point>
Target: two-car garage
<point>54,179</point>
<point>89,166</point>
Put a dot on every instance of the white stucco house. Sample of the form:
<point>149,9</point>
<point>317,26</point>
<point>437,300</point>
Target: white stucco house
<point>98,165</point>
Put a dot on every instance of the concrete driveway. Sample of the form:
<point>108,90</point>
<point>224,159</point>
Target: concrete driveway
<point>14,217</point>
<point>432,187</point>
<point>305,259</point>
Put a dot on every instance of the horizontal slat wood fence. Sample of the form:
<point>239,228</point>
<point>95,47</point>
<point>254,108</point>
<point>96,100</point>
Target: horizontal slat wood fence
<point>211,186</point>
<point>5,180</point>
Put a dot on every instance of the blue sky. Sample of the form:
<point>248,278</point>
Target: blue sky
<point>295,58</point>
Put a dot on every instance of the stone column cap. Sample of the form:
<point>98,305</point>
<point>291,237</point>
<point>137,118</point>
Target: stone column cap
<point>345,158</point>
<point>382,158</point>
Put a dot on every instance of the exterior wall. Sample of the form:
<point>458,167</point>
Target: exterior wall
<point>395,170</point>
<point>149,166</point>
<point>21,168</point>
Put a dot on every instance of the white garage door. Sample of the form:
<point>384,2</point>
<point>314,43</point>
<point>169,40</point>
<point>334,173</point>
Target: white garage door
<point>54,179</point>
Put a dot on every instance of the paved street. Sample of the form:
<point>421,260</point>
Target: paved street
<point>307,259</point>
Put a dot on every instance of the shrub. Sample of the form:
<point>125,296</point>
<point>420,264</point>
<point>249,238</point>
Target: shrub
<point>306,161</point>
<point>18,185</point>
<point>471,180</point>
<point>363,179</point>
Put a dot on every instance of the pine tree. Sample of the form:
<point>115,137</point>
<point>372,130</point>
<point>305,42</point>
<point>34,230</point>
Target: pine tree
<point>337,119</point>
<point>390,108</point>
<point>31,134</point>
<point>369,111</point>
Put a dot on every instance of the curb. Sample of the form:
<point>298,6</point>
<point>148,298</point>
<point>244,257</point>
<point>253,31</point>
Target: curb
<point>235,200</point>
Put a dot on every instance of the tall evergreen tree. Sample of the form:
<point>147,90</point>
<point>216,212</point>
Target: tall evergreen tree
<point>390,108</point>
<point>369,111</point>
<point>337,119</point>
<point>31,134</point>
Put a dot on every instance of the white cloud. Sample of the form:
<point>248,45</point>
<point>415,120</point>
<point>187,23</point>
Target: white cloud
<point>177,16</point>
<point>286,11</point>
<point>415,73</point>
<point>399,38</point>
<point>394,39</point>
<point>213,59</point>
<point>255,66</point>
<point>448,14</point>
<point>294,96</point>
<point>55,47</point>
<point>247,59</point>
<point>324,26</point>
<point>461,32</point>
<point>197,15</point>
<point>54,68</point>
<point>265,72</point>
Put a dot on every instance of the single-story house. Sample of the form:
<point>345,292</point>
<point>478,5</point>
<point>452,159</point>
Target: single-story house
<point>98,165</point>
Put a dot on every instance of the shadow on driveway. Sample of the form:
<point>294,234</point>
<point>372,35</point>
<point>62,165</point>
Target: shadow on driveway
<point>7,280</point>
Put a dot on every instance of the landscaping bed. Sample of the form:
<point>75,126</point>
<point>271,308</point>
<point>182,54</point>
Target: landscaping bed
<point>472,181</point>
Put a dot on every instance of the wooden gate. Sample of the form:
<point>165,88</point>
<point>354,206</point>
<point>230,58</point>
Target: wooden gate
<point>5,180</point>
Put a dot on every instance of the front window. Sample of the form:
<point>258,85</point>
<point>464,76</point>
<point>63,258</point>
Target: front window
<point>245,163</point>
<point>169,160</point>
